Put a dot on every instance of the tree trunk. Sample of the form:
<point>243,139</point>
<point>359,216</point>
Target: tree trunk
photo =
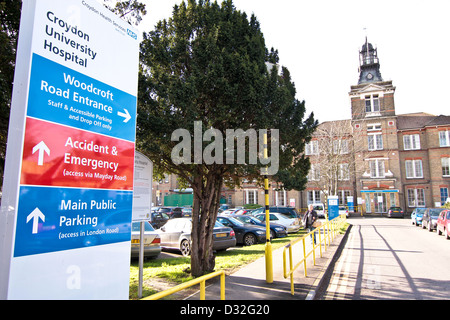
<point>207,190</point>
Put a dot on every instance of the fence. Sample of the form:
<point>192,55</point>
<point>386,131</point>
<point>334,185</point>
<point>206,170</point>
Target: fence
<point>200,280</point>
<point>325,235</point>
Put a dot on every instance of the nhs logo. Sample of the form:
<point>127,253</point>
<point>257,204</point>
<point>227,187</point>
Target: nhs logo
<point>132,34</point>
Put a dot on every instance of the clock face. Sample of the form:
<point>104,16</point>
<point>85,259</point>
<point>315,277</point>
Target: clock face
<point>369,76</point>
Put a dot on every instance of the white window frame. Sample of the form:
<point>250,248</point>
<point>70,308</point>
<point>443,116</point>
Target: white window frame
<point>254,194</point>
<point>444,138</point>
<point>375,141</point>
<point>315,196</point>
<point>280,198</point>
<point>343,173</point>
<point>411,142</point>
<point>314,172</point>
<point>377,168</point>
<point>373,102</point>
<point>445,163</point>
<point>312,148</point>
<point>414,169</point>
<point>415,197</point>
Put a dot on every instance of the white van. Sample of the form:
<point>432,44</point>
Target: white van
<point>320,209</point>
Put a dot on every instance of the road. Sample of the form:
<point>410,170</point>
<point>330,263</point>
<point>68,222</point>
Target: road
<point>390,259</point>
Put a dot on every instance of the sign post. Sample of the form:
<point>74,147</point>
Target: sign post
<point>68,192</point>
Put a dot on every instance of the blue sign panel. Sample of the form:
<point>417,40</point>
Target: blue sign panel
<point>62,95</point>
<point>54,219</point>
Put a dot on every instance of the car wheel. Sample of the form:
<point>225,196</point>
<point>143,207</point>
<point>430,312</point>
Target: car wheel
<point>446,235</point>
<point>249,239</point>
<point>438,231</point>
<point>423,224</point>
<point>429,227</point>
<point>185,248</point>
<point>273,235</point>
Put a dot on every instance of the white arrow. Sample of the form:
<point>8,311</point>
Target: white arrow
<point>125,115</point>
<point>35,215</point>
<point>42,147</point>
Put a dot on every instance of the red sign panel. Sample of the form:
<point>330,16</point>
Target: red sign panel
<point>56,155</point>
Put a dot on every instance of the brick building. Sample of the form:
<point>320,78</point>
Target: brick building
<point>392,160</point>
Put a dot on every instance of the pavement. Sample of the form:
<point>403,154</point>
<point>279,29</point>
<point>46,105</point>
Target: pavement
<point>249,282</point>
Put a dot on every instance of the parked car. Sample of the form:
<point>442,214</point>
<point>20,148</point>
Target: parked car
<point>276,230</point>
<point>152,241</point>
<point>172,212</point>
<point>288,211</point>
<point>320,209</point>
<point>176,234</point>
<point>430,217</point>
<point>246,233</point>
<point>230,211</point>
<point>395,212</point>
<point>186,212</point>
<point>443,223</point>
<point>158,219</point>
<point>292,224</point>
<point>343,210</point>
<point>416,216</point>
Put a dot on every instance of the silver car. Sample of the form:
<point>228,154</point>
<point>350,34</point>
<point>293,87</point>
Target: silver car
<point>176,234</point>
<point>152,241</point>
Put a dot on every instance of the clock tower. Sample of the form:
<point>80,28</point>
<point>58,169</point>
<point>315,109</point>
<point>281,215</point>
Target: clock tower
<point>372,97</point>
<point>369,65</point>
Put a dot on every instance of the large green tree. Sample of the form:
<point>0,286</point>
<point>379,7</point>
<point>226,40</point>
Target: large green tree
<point>205,70</point>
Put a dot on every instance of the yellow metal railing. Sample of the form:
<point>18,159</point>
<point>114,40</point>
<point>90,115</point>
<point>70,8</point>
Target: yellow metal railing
<point>199,280</point>
<point>330,229</point>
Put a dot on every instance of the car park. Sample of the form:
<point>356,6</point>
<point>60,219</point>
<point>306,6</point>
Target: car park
<point>395,212</point>
<point>276,230</point>
<point>416,216</point>
<point>443,224</point>
<point>292,224</point>
<point>152,241</point>
<point>430,217</point>
<point>246,234</point>
<point>176,234</point>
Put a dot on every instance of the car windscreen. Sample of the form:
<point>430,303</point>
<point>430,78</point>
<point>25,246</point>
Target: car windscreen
<point>136,226</point>
<point>435,212</point>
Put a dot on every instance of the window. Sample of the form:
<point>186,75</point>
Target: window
<point>444,195</point>
<point>414,169</point>
<point>343,194</point>
<point>372,103</point>
<point>444,138</point>
<point>280,198</point>
<point>375,142</point>
<point>312,148</point>
<point>313,196</point>
<point>340,146</point>
<point>314,173</point>
<point>445,167</point>
<point>251,196</point>
<point>411,142</point>
<point>376,168</point>
<point>343,173</point>
<point>416,198</point>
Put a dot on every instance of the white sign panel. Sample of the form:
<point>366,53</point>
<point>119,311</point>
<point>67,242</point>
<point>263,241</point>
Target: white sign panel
<point>142,195</point>
<point>68,192</point>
